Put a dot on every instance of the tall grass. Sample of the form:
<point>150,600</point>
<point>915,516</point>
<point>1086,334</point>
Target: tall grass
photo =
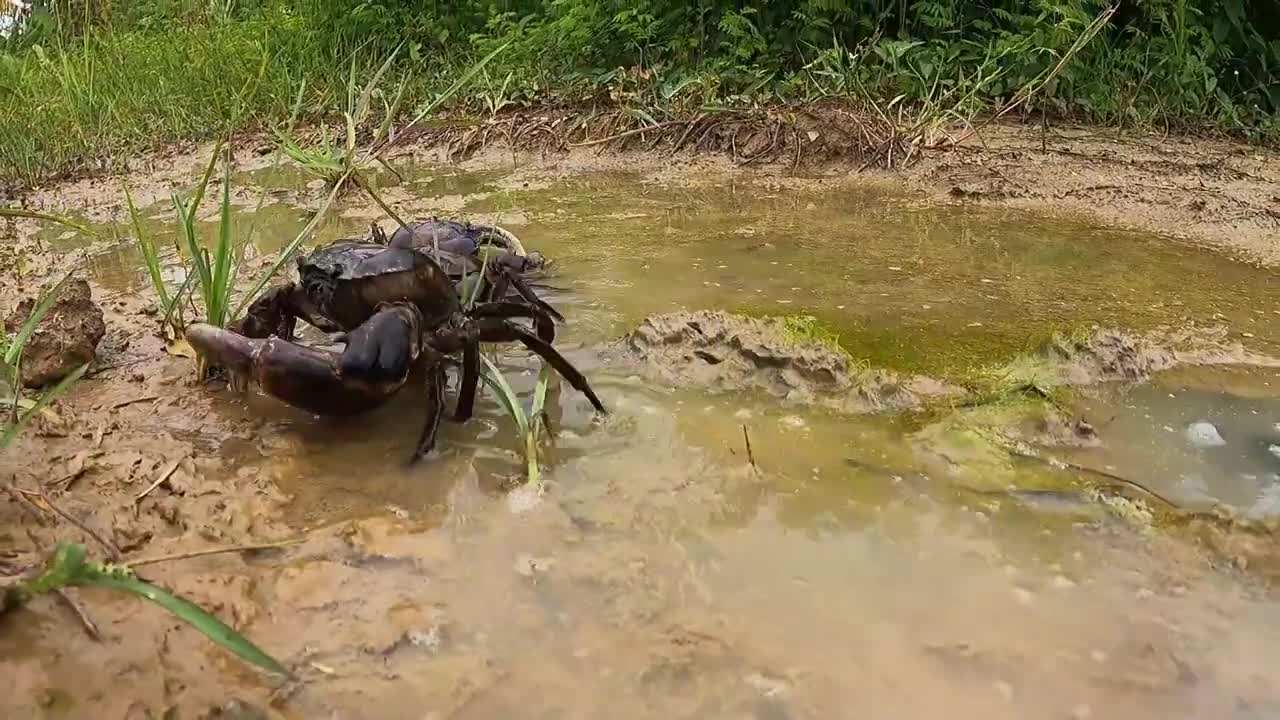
<point>98,91</point>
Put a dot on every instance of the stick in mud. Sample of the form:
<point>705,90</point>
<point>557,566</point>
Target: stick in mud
<point>751,458</point>
<point>90,627</point>
<point>110,547</point>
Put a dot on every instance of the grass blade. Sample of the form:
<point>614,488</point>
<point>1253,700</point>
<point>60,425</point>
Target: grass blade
<point>195,616</point>
<point>149,254</point>
<point>493,377</point>
<point>45,398</point>
<point>362,106</point>
<point>223,266</point>
<point>14,345</point>
<point>292,248</point>
<point>33,215</point>
<point>455,87</point>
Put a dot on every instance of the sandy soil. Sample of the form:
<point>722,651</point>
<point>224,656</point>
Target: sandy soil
<point>139,423</point>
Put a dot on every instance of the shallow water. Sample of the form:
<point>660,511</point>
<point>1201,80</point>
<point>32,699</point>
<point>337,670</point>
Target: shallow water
<point>665,576</point>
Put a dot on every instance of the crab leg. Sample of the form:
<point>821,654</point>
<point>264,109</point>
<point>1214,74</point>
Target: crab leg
<point>469,378</point>
<point>435,410</point>
<point>497,330</point>
<point>542,323</point>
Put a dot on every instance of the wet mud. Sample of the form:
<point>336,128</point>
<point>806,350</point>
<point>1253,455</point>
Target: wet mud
<point>764,514</point>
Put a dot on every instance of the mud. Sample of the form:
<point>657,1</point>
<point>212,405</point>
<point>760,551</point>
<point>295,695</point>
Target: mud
<point>724,353</point>
<point>66,337</point>
<point>661,575</point>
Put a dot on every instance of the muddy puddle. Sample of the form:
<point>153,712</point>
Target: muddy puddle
<point>834,569</point>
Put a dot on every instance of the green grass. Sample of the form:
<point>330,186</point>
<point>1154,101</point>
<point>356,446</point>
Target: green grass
<point>77,97</point>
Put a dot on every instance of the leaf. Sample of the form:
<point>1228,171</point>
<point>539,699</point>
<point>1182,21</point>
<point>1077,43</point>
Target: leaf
<point>493,377</point>
<point>208,625</point>
<point>32,215</point>
<point>179,347</point>
<point>149,255</point>
<point>65,565</point>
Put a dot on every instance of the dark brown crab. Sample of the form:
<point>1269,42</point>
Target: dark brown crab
<point>400,311</point>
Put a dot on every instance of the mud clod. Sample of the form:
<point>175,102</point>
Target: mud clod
<point>725,352</point>
<point>66,338</point>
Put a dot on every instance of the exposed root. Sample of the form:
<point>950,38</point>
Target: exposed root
<point>811,133</point>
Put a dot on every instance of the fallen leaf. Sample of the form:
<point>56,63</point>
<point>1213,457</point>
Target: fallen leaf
<point>181,348</point>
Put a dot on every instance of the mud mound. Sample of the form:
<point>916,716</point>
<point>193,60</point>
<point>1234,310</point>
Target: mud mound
<point>66,337</point>
<point>1108,355</point>
<point>724,352</point>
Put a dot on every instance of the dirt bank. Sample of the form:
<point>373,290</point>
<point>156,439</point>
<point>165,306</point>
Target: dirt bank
<point>1214,192</point>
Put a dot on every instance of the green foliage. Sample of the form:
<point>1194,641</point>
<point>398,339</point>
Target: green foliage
<point>88,85</point>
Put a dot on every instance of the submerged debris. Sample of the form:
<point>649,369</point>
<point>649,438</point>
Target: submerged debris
<point>66,338</point>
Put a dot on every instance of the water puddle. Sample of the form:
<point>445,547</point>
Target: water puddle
<point>833,572</point>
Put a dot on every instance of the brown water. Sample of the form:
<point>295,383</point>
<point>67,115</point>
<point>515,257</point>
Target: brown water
<point>663,576</point>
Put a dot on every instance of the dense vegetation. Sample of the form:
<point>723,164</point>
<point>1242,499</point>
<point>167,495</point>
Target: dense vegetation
<point>91,79</point>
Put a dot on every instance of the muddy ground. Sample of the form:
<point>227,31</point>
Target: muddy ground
<point>132,453</point>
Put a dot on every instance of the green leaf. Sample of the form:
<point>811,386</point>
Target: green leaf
<point>507,397</point>
<point>32,215</point>
<point>208,625</point>
<point>63,568</point>
<point>150,257</point>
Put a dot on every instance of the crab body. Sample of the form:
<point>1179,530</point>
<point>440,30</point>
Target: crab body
<point>398,310</point>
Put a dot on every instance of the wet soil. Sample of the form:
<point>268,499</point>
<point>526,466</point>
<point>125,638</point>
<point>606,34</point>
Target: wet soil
<point>669,570</point>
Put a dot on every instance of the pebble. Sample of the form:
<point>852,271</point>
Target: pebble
<point>1081,712</point>
<point>1005,690</point>
<point>1203,435</point>
<point>1062,582</point>
<point>1025,597</point>
<point>1274,450</point>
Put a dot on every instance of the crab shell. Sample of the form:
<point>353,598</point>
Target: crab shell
<point>349,280</point>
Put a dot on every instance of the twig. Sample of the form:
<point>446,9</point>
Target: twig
<point>1094,471</point>
<point>209,551</point>
<point>746,437</point>
<point>160,479</point>
<point>37,513</point>
<point>132,401</point>
<point>110,547</point>
<point>90,628</point>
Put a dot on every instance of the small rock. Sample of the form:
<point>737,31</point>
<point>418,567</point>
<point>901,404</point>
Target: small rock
<point>529,565</point>
<point>1081,712</point>
<point>1005,690</point>
<point>66,337</point>
<point>1203,435</point>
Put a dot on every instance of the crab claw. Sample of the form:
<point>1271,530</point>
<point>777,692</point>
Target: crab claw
<point>301,376</point>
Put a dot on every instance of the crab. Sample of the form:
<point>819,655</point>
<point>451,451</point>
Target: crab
<point>399,310</point>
